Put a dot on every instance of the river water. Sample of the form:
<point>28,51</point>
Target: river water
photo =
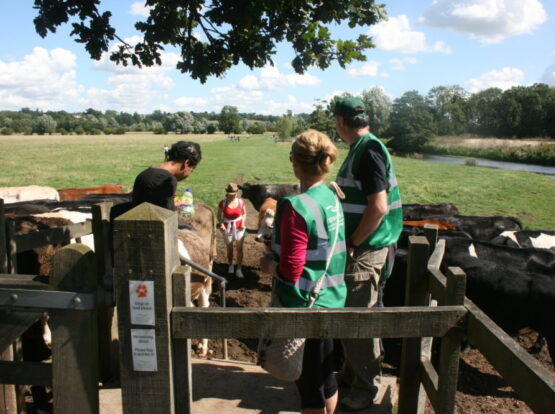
<point>481,162</point>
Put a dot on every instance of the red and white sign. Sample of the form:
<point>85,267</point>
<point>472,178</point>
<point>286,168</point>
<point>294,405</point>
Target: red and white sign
<point>141,302</point>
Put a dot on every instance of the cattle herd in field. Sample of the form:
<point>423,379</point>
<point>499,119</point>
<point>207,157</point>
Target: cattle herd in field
<point>510,271</point>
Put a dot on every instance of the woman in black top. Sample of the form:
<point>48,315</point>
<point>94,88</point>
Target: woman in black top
<point>157,185</point>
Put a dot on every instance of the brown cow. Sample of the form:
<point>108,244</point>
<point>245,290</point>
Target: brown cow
<point>200,246</point>
<point>266,216</point>
<point>77,193</point>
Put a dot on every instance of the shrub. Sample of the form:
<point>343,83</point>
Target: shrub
<point>6,131</point>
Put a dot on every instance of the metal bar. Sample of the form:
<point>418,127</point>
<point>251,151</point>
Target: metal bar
<point>213,275</point>
<point>52,299</point>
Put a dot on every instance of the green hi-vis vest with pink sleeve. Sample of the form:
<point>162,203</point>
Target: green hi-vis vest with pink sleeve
<point>355,201</point>
<point>323,217</point>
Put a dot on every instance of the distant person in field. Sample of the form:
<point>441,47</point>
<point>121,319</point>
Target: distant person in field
<point>308,261</point>
<point>373,223</point>
<point>232,216</point>
<point>158,184</point>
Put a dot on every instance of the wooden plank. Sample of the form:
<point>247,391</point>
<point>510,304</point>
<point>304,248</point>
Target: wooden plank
<point>434,262</point>
<point>181,348</point>
<point>437,284</point>
<point>415,295</point>
<point>429,382</point>
<point>13,324</point>
<point>8,281</point>
<point>451,344</point>
<point>26,373</point>
<point>108,359</point>
<point>392,322</point>
<point>532,382</point>
<point>8,400</point>
<point>54,235</point>
<point>3,241</point>
<point>145,249</point>
<point>74,334</point>
<point>431,234</point>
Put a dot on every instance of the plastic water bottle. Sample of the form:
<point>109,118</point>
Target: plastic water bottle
<point>187,209</point>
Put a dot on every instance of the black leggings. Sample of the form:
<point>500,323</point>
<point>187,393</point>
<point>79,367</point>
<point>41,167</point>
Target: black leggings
<point>317,382</point>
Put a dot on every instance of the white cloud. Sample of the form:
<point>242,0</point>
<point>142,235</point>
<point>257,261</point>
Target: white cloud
<point>192,103</point>
<point>548,76</point>
<point>138,8</point>
<point>133,88</point>
<point>504,79</point>
<point>169,60</point>
<point>395,35</point>
<point>491,21</point>
<point>401,63</point>
<point>271,79</point>
<point>272,107</point>
<point>368,69</point>
<point>43,79</point>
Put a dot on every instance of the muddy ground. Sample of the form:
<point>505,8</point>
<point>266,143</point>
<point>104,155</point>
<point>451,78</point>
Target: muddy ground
<point>480,388</point>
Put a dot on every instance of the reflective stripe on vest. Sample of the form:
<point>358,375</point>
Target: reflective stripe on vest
<point>308,285</point>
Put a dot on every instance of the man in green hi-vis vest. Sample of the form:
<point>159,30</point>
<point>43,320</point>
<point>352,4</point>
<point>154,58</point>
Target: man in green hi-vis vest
<point>373,223</point>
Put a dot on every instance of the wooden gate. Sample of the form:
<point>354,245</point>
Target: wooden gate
<point>79,308</point>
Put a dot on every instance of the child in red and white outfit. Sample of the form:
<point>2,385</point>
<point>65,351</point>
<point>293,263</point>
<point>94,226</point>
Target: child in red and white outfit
<point>232,214</point>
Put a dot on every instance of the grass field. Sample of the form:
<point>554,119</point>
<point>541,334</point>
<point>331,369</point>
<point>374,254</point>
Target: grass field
<point>83,161</point>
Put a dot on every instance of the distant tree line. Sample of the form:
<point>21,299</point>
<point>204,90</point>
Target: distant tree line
<point>93,122</point>
<point>410,120</point>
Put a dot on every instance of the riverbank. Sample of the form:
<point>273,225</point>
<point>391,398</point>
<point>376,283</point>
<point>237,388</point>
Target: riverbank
<point>538,152</point>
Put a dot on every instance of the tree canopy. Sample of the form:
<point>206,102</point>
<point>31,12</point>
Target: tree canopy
<point>231,31</point>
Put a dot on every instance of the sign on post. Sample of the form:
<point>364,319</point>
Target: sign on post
<point>141,302</point>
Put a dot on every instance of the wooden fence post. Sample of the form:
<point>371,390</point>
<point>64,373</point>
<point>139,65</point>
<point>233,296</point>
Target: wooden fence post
<point>451,344</point>
<point>182,368</point>
<point>7,392</point>
<point>75,334</point>
<point>415,295</point>
<point>145,255</point>
<point>3,246</point>
<point>106,320</point>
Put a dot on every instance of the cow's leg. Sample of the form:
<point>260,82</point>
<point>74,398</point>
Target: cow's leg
<point>203,302</point>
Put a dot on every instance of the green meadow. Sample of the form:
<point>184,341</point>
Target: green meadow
<point>84,161</point>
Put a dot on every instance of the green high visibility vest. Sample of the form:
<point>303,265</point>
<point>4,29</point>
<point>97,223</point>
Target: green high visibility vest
<point>319,209</point>
<point>355,201</point>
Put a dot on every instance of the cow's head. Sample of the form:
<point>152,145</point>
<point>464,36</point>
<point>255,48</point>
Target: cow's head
<point>266,227</point>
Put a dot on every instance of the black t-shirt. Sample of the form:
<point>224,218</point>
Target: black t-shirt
<point>156,186</point>
<point>372,170</point>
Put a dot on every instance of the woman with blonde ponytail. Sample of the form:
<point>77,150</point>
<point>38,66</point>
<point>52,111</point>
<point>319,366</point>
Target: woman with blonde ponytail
<point>308,261</point>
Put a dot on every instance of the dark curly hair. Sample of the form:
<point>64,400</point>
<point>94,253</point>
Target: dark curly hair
<point>185,150</point>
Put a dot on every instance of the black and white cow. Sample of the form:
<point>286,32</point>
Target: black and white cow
<point>422,211</point>
<point>483,228</point>
<point>513,286</point>
<point>538,239</point>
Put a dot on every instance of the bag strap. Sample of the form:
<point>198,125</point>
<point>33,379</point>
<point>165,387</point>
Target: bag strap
<point>315,294</point>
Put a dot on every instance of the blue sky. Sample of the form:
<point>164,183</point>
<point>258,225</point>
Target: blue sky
<point>473,43</point>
